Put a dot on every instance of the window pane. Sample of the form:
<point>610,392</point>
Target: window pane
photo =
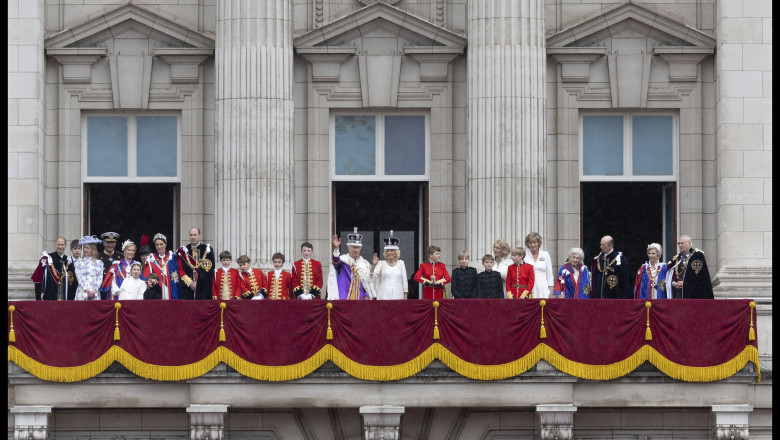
<point>355,145</point>
<point>156,146</point>
<point>652,141</point>
<point>405,145</point>
<point>602,144</point>
<point>106,146</point>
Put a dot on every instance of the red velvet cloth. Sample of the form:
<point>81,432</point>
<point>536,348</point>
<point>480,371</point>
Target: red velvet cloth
<point>694,333</point>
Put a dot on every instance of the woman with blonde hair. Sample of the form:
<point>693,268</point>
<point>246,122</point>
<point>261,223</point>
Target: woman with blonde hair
<point>503,260</point>
<point>89,269</point>
<point>540,260</point>
<point>389,275</point>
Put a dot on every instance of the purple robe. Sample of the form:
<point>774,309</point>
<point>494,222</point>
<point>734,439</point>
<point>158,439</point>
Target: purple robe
<point>344,278</point>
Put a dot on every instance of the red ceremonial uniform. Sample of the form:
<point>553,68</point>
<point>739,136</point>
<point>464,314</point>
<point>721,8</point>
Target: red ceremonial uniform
<point>279,288</point>
<point>225,285</point>
<point>252,283</point>
<point>435,273</point>
<point>307,277</point>
<point>520,278</point>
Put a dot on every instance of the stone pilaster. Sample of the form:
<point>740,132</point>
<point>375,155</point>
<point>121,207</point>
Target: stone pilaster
<point>31,422</point>
<point>207,422</point>
<point>505,171</point>
<point>29,174</point>
<point>743,77</point>
<point>254,129</point>
<point>556,422</point>
<point>731,422</point>
<point>381,422</point>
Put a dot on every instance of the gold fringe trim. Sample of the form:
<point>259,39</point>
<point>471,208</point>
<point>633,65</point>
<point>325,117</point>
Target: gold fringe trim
<point>386,373</point>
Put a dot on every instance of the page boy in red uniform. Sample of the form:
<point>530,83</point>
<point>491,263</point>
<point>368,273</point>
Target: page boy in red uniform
<point>225,285</point>
<point>519,276</point>
<point>433,275</point>
<point>279,281</point>
<point>307,274</point>
<point>252,282</point>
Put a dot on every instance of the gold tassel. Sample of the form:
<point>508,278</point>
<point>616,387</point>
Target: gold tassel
<point>11,335</point>
<point>751,333</point>
<point>542,331</point>
<point>117,306</point>
<point>648,334</point>
<point>436,320</point>
<point>221,323</point>
<point>329,335</point>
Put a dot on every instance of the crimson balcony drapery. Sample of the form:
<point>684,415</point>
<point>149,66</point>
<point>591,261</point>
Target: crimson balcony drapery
<point>691,340</point>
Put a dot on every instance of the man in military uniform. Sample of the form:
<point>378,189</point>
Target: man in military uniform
<point>687,276</point>
<point>109,255</point>
<point>51,275</point>
<point>196,268</point>
<point>609,273</point>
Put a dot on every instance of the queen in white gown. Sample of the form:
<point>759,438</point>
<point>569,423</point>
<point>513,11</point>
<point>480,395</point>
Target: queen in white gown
<point>389,275</point>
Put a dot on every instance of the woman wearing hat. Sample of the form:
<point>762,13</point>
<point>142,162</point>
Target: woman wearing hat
<point>89,269</point>
<point>163,263</point>
<point>389,275</point>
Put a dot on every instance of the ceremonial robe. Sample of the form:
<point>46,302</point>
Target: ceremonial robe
<point>115,276</point>
<point>51,277</point>
<point>307,277</point>
<point>353,277</point>
<point>647,286</point>
<point>694,274</point>
<point>566,286</point>
<point>164,266</point>
<point>196,266</point>
<point>279,287</point>
<point>436,274</point>
<point>108,260</point>
<point>610,276</point>
<point>253,284</point>
<point>464,282</point>
<point>490,285</point>
<point>520,280</point>
<point>226,284</point>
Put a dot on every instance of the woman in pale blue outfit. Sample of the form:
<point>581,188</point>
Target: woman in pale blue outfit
<point>89,269</point>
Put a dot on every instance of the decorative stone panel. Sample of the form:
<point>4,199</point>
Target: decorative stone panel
<point>381,422</point>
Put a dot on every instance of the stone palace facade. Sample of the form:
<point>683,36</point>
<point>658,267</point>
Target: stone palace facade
<point>270,123</point>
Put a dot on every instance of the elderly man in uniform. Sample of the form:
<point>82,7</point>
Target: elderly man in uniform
<point>353,272</point>
<point>687,275</point>
<point>109,255</point>
<point>196,268</point>
<point>51,275</point>
<point>609,273</point>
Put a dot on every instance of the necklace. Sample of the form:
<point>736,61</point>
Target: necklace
<point>607,266</point>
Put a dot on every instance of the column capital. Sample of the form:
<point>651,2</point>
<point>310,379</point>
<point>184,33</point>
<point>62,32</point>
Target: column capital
<point>31,422</point>
<point>731,421</point>
<point>556,421</point>
<point>381,422</point>
<point>207,422</point>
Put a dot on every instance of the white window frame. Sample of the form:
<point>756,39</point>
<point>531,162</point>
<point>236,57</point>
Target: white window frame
<point>628,166</point>
<point>132,149</point>
<point>380,175</point>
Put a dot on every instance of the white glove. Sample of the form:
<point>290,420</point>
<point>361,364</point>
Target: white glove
<point>306,296</point>
<point>258,297</point>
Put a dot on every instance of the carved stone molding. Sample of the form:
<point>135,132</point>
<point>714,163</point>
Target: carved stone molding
<point>207,422</point>
<point>434,60</point>
<point>185,62</point>
<point>556,422</point>
<point>326,61</point>
<point>379,78</point>
<point>381,422</point>
<point>77,62</point>
<point>575,61</point>
<point>731,422</point>
<point>31,422</point>
<point>683,60</point>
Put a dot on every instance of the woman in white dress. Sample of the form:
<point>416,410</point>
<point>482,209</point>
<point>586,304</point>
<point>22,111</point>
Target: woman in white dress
<point>133,287</point>
<point>543,272</point>
<point>501,255</point>
<point>89,269</point>
<point>389,275</point>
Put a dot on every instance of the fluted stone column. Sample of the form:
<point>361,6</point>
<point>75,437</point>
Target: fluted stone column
<point>254,128</point>
<point>506,157</point>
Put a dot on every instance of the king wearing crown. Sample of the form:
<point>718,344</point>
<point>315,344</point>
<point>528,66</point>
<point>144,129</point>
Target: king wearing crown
<point>353,272</point>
